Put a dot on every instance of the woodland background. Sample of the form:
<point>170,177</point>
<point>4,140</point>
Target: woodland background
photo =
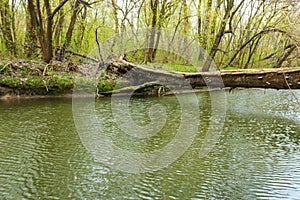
<point>236,33</point>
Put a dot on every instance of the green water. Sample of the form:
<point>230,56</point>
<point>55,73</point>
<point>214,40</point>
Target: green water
<point>257,155</point>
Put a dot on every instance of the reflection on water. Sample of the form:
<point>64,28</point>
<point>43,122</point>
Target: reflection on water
<point>257,156</point>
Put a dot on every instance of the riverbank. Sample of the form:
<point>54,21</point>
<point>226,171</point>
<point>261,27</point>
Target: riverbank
<point>35,78</point>
<point>56,79</point>
<point>30,78</point>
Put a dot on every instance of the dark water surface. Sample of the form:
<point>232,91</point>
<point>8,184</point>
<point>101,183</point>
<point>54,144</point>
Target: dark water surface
<point>257,156</point>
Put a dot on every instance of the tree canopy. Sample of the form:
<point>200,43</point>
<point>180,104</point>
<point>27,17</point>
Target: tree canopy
<point>235,33</point>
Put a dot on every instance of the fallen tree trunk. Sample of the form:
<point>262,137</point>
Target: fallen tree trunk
<point>130,89</point>
<point>277,78</point>
<point>280,78</point>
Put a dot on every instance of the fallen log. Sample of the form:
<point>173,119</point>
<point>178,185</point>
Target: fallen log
<point>258,78</point>
<point>277,78</point>
<point>130,89</point>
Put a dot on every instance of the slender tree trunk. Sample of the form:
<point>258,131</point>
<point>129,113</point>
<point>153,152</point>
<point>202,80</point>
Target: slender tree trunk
<point>252,50</point>
<point>59,27</point>
<point>218,37</point>
<point>159,25</point>
<point>48,50</point>
<point>69,33</point>
<point>6,23</point>
<point>72,24</point>
<point>13,27</point>
<point>154,9</point>
<point>44,34</point>
<point>288,51</point>
<point>30,35</point>
<point>156,45</point>
<point>82,27</point>
<point>199,29</point>
<point>206,28</point>
<point>115,13</point>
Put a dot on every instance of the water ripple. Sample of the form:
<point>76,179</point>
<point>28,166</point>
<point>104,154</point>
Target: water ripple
<point>257,156</point>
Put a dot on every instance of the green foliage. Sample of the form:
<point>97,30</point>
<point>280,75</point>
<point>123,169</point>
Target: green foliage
<point>180,67</point>
<point>61,81</point>
<point>3,68</point>
<point>180,17</point>
<point>105,85</point>
<point>11,82</point>
<point>174,67</point>
<point>53,84</point>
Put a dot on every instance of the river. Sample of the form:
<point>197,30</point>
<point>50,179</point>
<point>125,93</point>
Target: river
<point>256,155</point>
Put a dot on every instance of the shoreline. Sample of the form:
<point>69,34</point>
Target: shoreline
<point>50,96</point>
<point>25,79</point>
<point>71,95</point>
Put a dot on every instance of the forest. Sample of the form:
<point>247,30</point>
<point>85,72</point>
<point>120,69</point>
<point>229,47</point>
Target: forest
<point>150,99</point>
<point>236,34</point>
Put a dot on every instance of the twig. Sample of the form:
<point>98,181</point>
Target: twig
<point>45,69</point>
<point>287,83</point>
<point>82,55</point>
<point>3,68</point>
<point>98,45</point>
<point>45,84</point>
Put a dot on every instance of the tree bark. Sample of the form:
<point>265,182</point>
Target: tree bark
<point>286,54</point>
<point>59,27</point>
<point>61,55</point>
<point>219,36</point>
<point>115,13</point>
<point>261,78</point>
<point>6,22</point>
<point>150,50</point>
<point>48,47</point>
<point>44,34</point>
<point>30,35</point>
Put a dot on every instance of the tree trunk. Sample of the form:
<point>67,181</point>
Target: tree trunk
<point>44,34</point>
<point>199,29</point>
<point>59,28</point>
<point>48,50</point>
<point>206,23</point>
<point>30,35</point>
<point>288,51</point>
<point>69,33</point>
<point>6,27</point>
<point>276,78</point>
<point>218,37</point>
<point>115,13</point>
<point>154,9</point>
